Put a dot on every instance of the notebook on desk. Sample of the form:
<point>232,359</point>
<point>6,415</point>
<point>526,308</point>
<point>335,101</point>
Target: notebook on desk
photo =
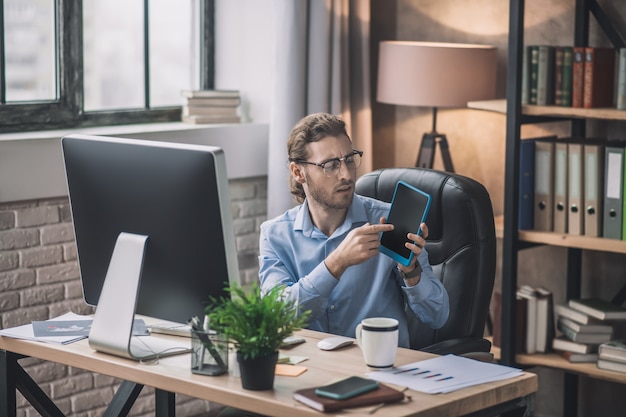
<point>111,330</point>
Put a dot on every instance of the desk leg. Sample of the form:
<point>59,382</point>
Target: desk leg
<point>123,399</point>
<point>126,395</point>
<point>165,403</point>
<point>7,384</point>
<point>12,377</point>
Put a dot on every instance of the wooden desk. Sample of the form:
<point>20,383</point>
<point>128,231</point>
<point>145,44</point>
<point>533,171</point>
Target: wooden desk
<point>173,375</point>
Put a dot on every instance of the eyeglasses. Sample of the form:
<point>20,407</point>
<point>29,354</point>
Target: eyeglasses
<point>332,166</point>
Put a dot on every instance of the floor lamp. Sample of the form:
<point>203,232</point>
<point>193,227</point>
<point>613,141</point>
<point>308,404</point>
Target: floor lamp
<point>431,74</point>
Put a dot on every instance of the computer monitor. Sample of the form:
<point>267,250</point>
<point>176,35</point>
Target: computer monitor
<point>176,195</point>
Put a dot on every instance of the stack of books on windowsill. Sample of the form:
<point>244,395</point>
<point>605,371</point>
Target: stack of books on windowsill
<point>584,324</point>
<point>211,106</point>
<point>612,356</point>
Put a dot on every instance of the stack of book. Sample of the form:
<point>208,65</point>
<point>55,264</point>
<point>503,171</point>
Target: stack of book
<point>535,320</point>
<point>539,318</point>
<point>612,355</point>
<point>584,324</point>
<point>211,106</point>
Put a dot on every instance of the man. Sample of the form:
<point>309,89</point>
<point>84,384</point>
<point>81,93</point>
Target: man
<point>326,249</point>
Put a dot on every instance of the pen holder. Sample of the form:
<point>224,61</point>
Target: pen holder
<point>209,353</point>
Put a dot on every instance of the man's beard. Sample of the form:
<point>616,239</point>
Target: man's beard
<point>328,198</point>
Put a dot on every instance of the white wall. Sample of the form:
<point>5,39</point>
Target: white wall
<point>31,165</point>
<point>244,53</point>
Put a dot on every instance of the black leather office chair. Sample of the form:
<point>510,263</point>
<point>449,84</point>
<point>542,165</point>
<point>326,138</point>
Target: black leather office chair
<point>461,246</point>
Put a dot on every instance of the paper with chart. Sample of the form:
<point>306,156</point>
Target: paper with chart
<point>26,331</point>
<point>67,328</point>
<point>444,374</point>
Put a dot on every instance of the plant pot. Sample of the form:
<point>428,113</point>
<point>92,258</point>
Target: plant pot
<point>258,373</point>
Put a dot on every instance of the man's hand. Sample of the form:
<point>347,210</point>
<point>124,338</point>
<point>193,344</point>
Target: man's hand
<point>415,245</point>
<point>359,245</point>
<point>417,242</point>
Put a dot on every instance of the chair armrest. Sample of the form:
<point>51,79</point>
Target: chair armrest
<point>459,346</point>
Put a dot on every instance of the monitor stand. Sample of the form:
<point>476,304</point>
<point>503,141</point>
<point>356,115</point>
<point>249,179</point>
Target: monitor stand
<point>111,330</point>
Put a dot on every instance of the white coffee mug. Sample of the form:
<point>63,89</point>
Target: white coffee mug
<point>378,339</point>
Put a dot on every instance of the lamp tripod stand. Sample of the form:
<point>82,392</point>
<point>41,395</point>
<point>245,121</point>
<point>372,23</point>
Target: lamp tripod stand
<point>426,154</point>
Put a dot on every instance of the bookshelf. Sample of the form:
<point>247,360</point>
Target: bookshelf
<point>513,240</point>
<point>563,240</point>
<point>552,360</point>
<point>499,106</point>
<point>571,241</point>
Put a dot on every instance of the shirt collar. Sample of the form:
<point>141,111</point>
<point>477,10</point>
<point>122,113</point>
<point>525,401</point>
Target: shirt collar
<point>355,216</point>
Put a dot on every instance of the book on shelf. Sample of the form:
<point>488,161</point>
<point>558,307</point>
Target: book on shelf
<point>565,85</point>
<point>613,350</point>
<point>558,75</point>
<point>598,308</point>
<point>525,75</point>
<point>583,337</point>
<point>575,187</point>
<point>526,199</point>
<point>210,93</point>
<point>545,320</point>
<point>592,327</point>
<point>578,75</point>
<point>530,339</point>
<point>593,168</point>
<point>545,75</point>
<point>384,394</point>
<point>574,357</point>
<point>560,200</point>
<point>613,196</point>
<point>532,73</point>
<point>563,310</point>
<point>564,344</point>
<point>611,365</point>
<point>520,316</point>
<point>544,185</point>
<point>621,79</point>
<point>599,76</point>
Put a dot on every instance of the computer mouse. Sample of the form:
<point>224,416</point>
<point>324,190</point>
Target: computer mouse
<point>334,342</point>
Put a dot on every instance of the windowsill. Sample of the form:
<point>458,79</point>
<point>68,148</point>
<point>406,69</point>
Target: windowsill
<point>31,163</point>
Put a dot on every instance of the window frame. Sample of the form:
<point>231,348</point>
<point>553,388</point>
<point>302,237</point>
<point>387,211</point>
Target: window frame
<point>67,111</point>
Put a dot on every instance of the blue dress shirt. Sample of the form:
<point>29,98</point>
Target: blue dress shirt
<point>292,253</point>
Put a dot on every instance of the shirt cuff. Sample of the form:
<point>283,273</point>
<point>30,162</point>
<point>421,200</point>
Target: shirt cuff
<point>322,280</point>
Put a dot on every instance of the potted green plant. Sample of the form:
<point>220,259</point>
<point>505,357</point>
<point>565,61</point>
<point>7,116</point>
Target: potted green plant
<point>256,325</point>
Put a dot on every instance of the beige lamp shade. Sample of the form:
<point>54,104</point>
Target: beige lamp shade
<point>435,74</point>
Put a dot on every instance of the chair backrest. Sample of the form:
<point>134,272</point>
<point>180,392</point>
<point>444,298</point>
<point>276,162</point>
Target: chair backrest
<point>461,245</point>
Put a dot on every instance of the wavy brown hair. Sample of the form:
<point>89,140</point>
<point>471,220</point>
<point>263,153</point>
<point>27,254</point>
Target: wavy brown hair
<point>311,128</point>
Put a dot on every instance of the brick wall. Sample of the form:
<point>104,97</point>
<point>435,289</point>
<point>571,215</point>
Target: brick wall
<point>39,279</point>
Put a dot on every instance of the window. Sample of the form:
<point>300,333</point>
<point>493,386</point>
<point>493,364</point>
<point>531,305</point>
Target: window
<point>73,63</point>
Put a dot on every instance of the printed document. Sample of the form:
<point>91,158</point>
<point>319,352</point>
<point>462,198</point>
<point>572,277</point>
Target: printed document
<point>444,374</point>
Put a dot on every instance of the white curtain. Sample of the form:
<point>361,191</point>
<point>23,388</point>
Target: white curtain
<point>322,65</point>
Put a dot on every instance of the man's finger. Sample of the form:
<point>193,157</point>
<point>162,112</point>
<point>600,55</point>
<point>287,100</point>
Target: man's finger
<point>377,228</point>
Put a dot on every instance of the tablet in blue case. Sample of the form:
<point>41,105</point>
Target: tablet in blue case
<point>409,208</point>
